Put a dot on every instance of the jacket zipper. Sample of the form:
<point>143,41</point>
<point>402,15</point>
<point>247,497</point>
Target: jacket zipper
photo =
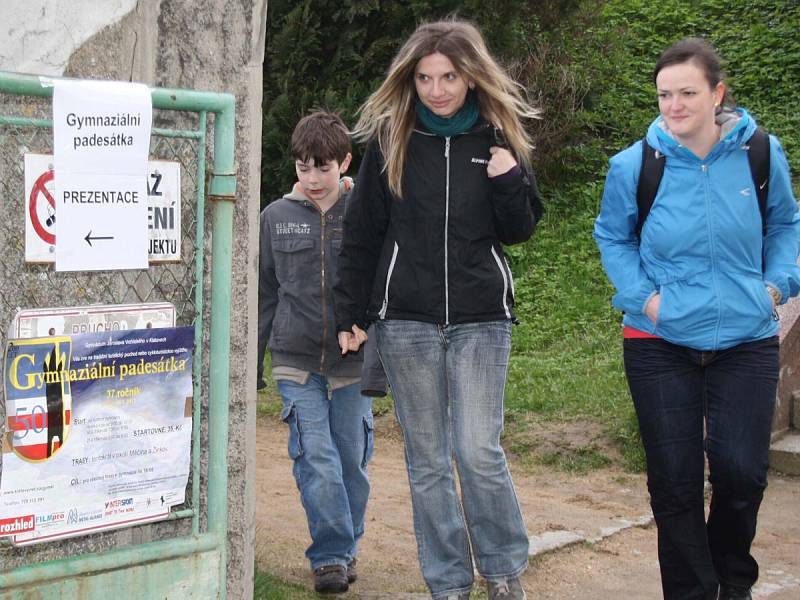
<point>505,282</point>
<point>322,292</point>
<point>446,228</point>
<point>385,305</point>
<point>712,245</point>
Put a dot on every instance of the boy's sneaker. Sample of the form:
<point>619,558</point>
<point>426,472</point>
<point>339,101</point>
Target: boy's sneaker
<point>330,579</point>
<point>464,596</point>
<point>508,589</point>
<point>352,574</point>
<point>734,592</point>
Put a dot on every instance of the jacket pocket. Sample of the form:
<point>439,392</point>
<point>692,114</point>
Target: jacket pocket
<point>292,258</point>
<point>688,312</point>
<point>508,282</point>
<point>390,270</point>
<point>746,305</point>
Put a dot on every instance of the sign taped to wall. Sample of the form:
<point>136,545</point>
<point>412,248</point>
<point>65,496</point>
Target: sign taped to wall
<point>163,210</point>
<point>98,431</point>
<point>101,140</point>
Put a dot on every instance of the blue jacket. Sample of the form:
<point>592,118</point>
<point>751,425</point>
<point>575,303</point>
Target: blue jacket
<point>701,244</point>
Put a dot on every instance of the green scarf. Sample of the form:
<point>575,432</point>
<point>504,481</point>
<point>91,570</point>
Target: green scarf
<point>465,117</point>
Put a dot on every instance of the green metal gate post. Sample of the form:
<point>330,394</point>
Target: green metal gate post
<point>70,574</point>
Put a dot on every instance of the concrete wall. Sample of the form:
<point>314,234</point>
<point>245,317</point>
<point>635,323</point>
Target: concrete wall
<point>212,45</point>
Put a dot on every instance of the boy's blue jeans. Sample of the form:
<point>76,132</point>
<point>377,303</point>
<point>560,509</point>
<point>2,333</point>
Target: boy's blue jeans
<point>330,442</point>
<point>676,390</point>
<point>448,385</point>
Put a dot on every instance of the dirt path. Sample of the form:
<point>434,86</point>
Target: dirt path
<point>612,559</point>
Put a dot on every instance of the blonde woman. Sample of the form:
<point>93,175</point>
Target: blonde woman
<point>445,181</point>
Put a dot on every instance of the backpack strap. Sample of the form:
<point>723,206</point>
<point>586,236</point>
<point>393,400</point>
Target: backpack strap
<point>758,157</point>
<point>649,179</point>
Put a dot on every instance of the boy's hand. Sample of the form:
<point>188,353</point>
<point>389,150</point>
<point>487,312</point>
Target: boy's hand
<point>502,161</point>
<point>351,342</point>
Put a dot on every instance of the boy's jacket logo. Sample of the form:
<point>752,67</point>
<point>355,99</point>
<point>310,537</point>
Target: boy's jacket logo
<point>290,227</point>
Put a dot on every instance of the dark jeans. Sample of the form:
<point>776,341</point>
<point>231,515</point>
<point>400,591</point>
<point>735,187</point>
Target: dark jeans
<point>675,390</point>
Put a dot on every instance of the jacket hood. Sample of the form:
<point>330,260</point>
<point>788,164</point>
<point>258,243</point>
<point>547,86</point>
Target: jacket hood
<point>298,195</point>
<point>737,127</point>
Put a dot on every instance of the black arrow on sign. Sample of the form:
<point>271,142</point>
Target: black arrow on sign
<point>89,238</point>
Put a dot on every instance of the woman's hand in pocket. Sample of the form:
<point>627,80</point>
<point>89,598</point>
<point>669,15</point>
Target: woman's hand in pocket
<point>653,305</point>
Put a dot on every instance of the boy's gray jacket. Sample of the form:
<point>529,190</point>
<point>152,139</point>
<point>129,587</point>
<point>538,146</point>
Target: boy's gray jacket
<point>299,249</point>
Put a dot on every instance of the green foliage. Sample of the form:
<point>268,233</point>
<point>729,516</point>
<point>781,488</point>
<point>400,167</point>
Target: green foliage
<point>332,55</point>
<point>758,41</point>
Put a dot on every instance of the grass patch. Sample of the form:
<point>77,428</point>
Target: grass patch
<point>566,363</point>
<point>268,404</point>
<point>575,460</point>
<point>269,587</point>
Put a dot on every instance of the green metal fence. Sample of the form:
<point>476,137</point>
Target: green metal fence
<point>200,288</point>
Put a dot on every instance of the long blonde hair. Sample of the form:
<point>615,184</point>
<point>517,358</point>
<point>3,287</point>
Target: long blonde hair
<point>389,113</point>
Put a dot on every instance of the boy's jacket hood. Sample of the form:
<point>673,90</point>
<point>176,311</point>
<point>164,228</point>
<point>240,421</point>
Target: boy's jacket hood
<point>298,194</point>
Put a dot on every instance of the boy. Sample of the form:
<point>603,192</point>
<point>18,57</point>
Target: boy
<point>330,422</point>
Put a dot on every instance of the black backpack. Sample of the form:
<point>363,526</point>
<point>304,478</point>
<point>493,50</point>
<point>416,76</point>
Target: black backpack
<point>653,169</point>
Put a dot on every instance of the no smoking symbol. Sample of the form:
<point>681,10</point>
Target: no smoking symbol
<point>40,189</point>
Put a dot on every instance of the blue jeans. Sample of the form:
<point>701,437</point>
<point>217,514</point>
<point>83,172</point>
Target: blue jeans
<point>676,390</point>
<point>330,442</point>
<point>448,384</point>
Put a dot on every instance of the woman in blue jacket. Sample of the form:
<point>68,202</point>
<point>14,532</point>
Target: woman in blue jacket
<point>699,285</point>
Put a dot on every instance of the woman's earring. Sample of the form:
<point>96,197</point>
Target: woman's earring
<point>471,85</point>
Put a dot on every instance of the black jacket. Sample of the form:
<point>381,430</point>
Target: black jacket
<point>434,255</point>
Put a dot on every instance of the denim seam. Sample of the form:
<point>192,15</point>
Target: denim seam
<point>451,592</point>
<point>495,578</point>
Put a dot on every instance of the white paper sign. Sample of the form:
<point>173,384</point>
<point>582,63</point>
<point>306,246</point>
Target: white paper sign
<point>101,140</point>
<point>163,210</point>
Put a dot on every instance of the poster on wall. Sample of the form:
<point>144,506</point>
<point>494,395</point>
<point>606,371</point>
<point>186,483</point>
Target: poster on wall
<point>99,430</point>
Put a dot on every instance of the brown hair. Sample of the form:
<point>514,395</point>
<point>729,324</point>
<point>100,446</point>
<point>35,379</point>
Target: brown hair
<point>389,114</point>
<point>702,54</point>
<point>321,136</point>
